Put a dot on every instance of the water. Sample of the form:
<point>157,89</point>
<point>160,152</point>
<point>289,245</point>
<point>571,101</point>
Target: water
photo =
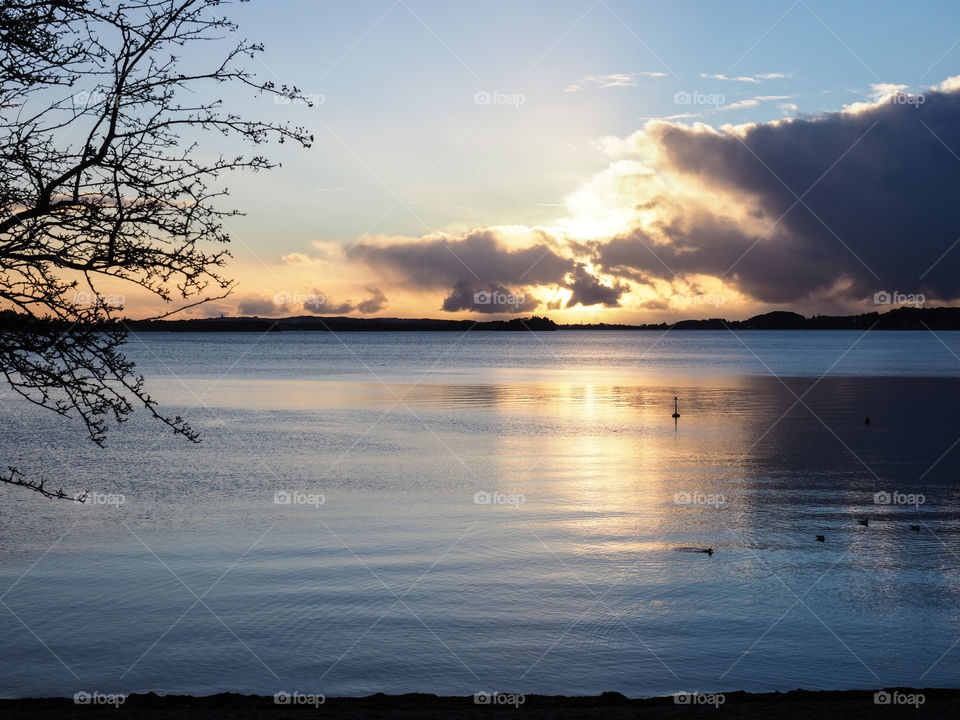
<point>572,580</point>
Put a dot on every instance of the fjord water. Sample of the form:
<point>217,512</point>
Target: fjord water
<point>331,534</point>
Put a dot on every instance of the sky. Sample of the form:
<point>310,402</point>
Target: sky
<point>601,161</point>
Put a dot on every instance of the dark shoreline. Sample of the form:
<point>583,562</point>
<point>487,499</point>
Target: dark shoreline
<point>900,319</point>
<point>922,319</point>
<point>846,704</point>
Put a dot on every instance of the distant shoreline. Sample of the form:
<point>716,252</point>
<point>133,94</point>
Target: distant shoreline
<point>922,319</point>
<point>794,704</point>
<point>903,318</point>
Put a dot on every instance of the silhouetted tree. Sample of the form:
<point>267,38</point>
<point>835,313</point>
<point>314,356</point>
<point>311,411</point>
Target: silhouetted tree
<point>105,175</point>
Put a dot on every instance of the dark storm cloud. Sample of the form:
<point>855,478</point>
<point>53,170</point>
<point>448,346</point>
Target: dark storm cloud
<point>879,190</point>
<point>329,308</point>
<point>488,299</point>
<point>776,269</point>
<point>478,255</point>
<point>258,307</point>
<point>375,303</point>
<point>588,290</point>
<point>482,274</point>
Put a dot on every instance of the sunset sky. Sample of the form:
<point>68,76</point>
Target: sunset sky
<point>601,161</point>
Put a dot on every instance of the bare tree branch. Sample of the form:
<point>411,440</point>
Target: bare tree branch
<point>103,179</point>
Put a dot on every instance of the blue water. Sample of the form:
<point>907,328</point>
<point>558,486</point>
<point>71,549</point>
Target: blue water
<point>398,581</point>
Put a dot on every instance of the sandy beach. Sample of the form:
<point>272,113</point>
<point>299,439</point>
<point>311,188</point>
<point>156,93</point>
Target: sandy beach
<point>904,703</point>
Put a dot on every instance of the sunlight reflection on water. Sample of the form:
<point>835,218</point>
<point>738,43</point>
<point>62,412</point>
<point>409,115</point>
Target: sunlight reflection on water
<point>566,581</point>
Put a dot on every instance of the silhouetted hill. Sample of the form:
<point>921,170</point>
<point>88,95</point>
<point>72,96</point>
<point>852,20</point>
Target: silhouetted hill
<point>904,318</point>
<point>791,705</point>
<point>777,320</point>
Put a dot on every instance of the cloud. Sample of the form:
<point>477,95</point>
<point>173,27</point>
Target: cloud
<point>950,84</point>
<point>480,255</point>
<point>613,80</point>
<point>746,78</point>
<point>678,116</point>
<point>330,308</point>
<point>720,76</point>
<point>882,90</point>
<point>319,303</point>
<point>880,93</point>
<point>298,260</point>
<point>588,290</point>
<point>257,306</point>
<point>487,270</point>
<point>373,304</point>
<point>753,102</point>
<point>877,206</point>
<point>313,303</point>
<point>467,295</point>
<point>808,212</point>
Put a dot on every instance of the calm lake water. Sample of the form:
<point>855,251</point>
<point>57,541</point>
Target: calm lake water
<point>497,511</point>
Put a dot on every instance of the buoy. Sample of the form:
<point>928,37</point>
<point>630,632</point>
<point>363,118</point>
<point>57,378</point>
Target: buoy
<point>676,409</point>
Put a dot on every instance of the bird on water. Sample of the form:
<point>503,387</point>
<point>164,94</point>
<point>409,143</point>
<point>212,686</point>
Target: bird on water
<point>821,538</point>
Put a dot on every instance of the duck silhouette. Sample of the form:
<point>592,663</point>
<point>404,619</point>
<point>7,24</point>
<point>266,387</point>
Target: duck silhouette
<point>865,522</point>
<point>915,528</point>
<point>821,538</point>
